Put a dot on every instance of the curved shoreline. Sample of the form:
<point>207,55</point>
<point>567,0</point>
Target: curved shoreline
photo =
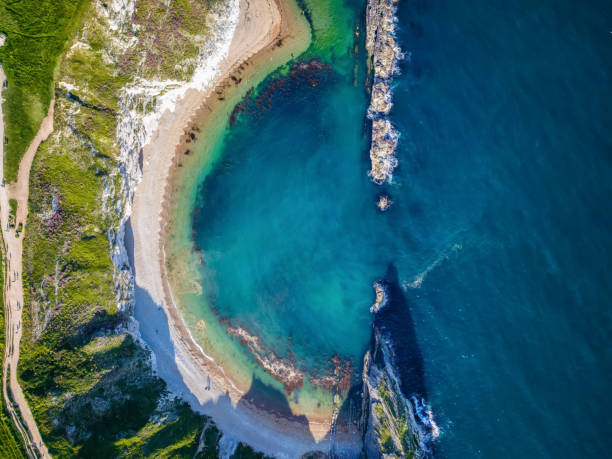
<point>268,31</point>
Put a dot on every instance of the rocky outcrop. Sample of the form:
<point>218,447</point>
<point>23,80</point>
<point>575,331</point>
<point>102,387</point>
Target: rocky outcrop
<point>381,100</point>
<point>382,150</point>
<point>383,53</point>
<point>381,297</point>
<point>396,424</point>
<point>384,202</point>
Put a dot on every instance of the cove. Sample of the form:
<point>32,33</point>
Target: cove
<point>278,216</point>
<point>498,236</point>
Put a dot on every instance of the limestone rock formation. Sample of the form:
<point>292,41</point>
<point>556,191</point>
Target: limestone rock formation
<point>384,54</point>
<point>396,420</point>
<point>380,103</point>
<point>382,150</point>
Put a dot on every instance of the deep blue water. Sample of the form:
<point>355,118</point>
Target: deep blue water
<point>499,231</point>
<point>506,117</point>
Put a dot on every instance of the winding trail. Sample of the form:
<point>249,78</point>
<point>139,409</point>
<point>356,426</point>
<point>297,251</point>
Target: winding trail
<point>17,405</point>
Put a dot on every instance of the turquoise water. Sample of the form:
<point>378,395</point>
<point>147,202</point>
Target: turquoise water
<point>278,255</point>
<point>499,230</point>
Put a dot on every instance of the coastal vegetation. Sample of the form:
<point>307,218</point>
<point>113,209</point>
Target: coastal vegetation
<point>11,445</point>
<point>37,32</point>
<point>89,384</point>
<point>12,212</point>
<point>88,380</point>
<point>171,34</point>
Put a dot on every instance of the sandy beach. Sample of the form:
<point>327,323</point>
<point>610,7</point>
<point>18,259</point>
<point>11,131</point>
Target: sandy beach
<point>268,32</point>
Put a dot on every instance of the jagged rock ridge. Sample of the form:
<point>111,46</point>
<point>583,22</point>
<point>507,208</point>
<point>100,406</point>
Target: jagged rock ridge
<point>383,53</point>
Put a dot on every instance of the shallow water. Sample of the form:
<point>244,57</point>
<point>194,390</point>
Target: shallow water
<point>499,229</point>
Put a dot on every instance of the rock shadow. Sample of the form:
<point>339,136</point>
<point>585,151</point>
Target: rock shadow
<point>396,323</point>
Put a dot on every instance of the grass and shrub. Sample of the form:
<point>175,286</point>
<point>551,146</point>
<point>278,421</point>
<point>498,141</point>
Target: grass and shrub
<point>11,444</point>
<point>37,33</point>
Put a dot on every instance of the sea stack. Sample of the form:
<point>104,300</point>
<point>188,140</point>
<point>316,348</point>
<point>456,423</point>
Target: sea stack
<point>383,54</point>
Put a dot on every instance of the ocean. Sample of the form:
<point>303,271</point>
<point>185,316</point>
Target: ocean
<point>498,239</point>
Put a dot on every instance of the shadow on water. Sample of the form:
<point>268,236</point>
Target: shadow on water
<point>272,400</point>
<point>396,323</point>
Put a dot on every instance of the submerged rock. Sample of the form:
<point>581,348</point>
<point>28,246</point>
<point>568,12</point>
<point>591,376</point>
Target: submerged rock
<point>283,370</point>
<point>337,378</point>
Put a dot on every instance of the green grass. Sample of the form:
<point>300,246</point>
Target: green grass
<point>37,33</point>
<point>13,212</point>
<point>11,444</point>
<point>392,417</point>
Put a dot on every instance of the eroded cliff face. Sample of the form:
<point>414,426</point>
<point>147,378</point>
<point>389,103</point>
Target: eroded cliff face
<point>165,50</point>
<point>383,54</point>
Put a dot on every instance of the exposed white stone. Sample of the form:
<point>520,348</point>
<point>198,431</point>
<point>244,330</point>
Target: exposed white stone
<point>384,52</point>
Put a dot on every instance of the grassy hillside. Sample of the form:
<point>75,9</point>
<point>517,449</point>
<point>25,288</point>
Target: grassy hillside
<point>37,32</point>
<point>90,386</point>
